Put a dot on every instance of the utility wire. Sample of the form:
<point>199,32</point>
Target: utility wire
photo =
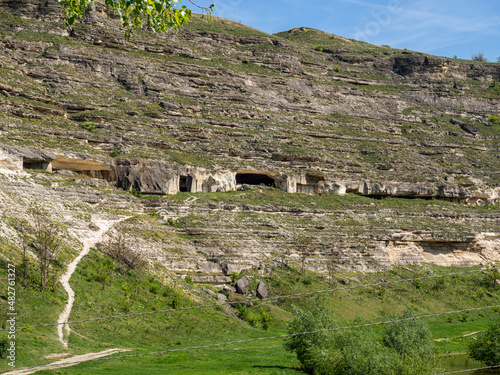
<point>161,352</point>
<point>472,369</point>
<point>382,283</point>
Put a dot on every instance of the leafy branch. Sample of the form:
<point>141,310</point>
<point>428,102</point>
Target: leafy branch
<point>160,15</point>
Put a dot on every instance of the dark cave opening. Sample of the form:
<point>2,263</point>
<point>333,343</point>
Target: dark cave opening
<point>185,183</point>
<point>254,179</point>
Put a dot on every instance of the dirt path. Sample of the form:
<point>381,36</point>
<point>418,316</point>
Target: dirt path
<point>65,362</point>
<point>457,337</point>
<point>90,240</point>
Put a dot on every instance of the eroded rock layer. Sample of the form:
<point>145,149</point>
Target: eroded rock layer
<point>265,137</point>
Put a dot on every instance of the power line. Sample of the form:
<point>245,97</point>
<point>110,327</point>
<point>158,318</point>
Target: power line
<point>161,352</point>
<point>472,369</point>
<point>382,283</point>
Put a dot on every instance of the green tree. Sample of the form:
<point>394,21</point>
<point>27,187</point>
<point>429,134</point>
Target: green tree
<point>354,351</point>
<point>486,346</point>
<point>409,337</point>
<point>160,15</point>
<point>46,240</point>
<point>492,274</point>
<point>308,347</point>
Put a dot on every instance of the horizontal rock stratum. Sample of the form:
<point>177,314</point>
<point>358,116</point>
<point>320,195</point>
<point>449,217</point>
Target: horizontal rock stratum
<point>240,141</point>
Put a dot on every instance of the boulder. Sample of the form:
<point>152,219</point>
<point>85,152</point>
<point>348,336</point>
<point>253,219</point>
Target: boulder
<point>262,290</point>
<point>222,298</point>
<point>242,286</point>
<point>465,127</point>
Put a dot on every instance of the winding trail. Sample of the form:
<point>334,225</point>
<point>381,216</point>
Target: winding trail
<point>66,362</point>
<point>91,239</point>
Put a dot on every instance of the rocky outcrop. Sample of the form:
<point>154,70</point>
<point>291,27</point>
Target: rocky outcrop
<point>418,248</point>
<point>233,109</point>
<point>430,66</point>
<point>43,10</point>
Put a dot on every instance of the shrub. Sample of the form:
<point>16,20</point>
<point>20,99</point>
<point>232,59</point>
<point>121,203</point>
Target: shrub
<point>495,120</point>
<point>4,346</point>
<point>235,277</point>
<point>136,193</point>
<point>319,48</point>
<point>123,248</point>
<point>409,337</point>
<point>89,126</point>
<point>347,351</point>
<point>486,346</point>
<point>479,57</point>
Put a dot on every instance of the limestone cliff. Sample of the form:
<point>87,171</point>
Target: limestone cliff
<point>305,132</point>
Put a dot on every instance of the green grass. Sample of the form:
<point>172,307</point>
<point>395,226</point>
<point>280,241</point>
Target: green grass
<point>333,43</point>
<point>220,25</point>
<point>102,289</point>
<point>269,357</point>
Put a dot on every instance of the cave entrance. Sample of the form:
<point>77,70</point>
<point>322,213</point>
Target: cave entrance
<point>87,167</point>
<point>36,164</point>
<point>185,183</point>
<point>254,179</point>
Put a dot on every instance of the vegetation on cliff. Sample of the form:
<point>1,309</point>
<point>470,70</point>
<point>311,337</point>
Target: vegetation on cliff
<point>395,153</point>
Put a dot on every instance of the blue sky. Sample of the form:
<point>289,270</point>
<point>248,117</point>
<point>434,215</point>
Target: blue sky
<point>440,27</point>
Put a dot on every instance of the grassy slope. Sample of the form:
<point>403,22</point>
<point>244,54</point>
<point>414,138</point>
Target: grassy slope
<point>120,294</point>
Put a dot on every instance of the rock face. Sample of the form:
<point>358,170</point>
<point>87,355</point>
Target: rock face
<point>237,117</point>
<point>261,114</point>
<point>43,10</point>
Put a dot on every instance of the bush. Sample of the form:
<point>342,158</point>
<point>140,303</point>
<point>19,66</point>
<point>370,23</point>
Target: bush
<point>479,57</point>
<point>495,120</point>
<point>486,346</point>
<point>136,193</point>
<point>4,346</point>
<point>235,277</point>
<point>124,249</point>
<point>348,351</point>
<point>409,337</point>
<point>89,126</point>
<point>308,347</point>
